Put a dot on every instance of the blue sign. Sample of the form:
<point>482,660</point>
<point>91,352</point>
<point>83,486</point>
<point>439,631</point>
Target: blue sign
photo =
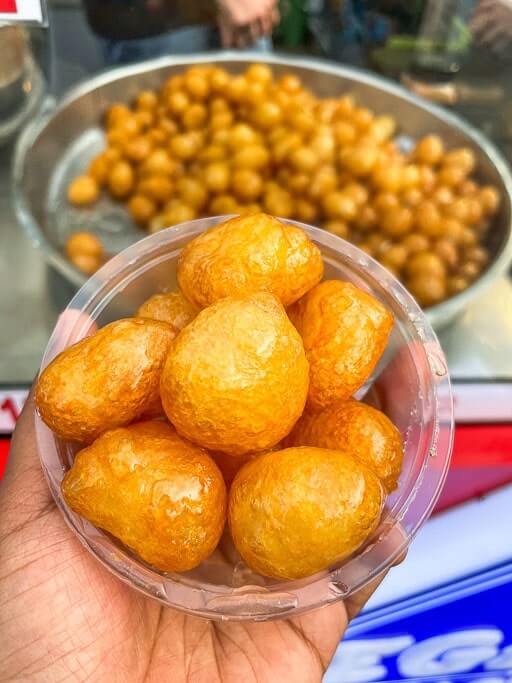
<point>459,633</point>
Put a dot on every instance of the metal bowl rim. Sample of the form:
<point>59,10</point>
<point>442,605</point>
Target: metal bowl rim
<point>437,313</point>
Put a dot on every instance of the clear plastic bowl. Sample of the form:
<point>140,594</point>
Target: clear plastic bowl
<point>411,385</point>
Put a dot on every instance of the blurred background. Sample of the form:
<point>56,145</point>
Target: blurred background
<point>456,54</point>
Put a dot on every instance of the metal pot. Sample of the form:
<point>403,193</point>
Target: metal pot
<point>61,143</point>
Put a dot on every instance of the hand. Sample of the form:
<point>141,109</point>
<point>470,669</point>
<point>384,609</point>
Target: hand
<point>492,24</point>
<point>63,616</point>
<point>242,22</point>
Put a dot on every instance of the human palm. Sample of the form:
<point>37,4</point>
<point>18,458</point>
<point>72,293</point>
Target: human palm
<point>64,617</point>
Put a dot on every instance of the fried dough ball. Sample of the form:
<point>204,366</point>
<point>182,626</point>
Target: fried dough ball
<point>192,192</point>
<point>141,208</point>
<point>157,187</point>
<point>246,184</point>
<point>98,169</point>
<point>295,512</point>
<point>104,381</point>
<point>83,190</point>
<point>427,288</point>
<point>236,378</point>
<point>121,179</point>
<point>171,307</point>
<point>158,163</point>
<point>356,428</point>
<point>221,262</point>
<point>85,251</point>
<point>161,496</point>
<point>429,150</point>
<point>345,332</point>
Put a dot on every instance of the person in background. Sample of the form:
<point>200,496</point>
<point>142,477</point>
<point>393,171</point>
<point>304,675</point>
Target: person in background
<point>491,25</point>
<point>134,30</point>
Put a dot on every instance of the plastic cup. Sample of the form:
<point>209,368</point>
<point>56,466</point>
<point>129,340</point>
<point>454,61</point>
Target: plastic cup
<point>410,384</point>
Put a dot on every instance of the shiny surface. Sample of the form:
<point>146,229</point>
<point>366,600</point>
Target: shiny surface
<point>345,331</point>
<point>71,135</point>
<point>358,429</point>
<point>161,496</point>
<point>170,307</point>
<point>295,512</point>
<point>236,378</point>
<point>249,254</point>
<point>105,380</point>
<point>222,587</point>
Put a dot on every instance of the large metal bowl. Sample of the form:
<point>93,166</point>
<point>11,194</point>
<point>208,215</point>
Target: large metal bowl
<point>61,143</point>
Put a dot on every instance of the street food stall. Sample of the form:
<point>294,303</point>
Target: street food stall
<point>409,189</point>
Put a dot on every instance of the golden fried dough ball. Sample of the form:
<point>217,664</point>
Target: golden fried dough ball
<point>259,72</point>
<point>116,114</point>
<point>85,251</point>
<point>246,184</point>
<point>217,176</point>
<point>451,175</point>
<point>295,512</point>
<point>83,190</point>
<point>322,182</point>
<point>185,145</point>
<point>98,169</point>
<point>223,204</point>
<point>196,85</point>
<point>176,212</point>
<point>251,156</point>
<point>356,428</point>
<point>360,160</point>
<point>397,222</point>
<point>267,115</point>
<point>278,202</point>
<point>104,381</point>
<point>161,496</point>
<point>490,199</point>
<point>306,211</point>
<point>463,157</point>
<point>121,179</point>
<point>221,262</point>
<point>394,257</point>
<point>428,219</point>
<point>426,262</point>
<point>447,252</point>
<point>339,204</point>
<point>146,100</point>
<point>138,149</point>
<point>158,162</point>
<point>429,150</point>
<point>171,307</point>
<point>142,209</point>
<point>427,288</point>
<point>304,159</point>
<point>345,332</point>
<point>219,80</point>
<point>236,378</point>
<point>159,188</point>
<point>192,192</point>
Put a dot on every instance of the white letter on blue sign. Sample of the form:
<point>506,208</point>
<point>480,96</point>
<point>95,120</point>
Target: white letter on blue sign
<point>456,652</point>
<point>360,661</point>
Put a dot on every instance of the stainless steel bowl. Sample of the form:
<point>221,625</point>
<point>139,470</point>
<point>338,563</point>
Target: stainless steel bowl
<point>62,142</point>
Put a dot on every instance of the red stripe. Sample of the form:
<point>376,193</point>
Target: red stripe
<point>4,451</point>
<point>482,444</point>
<point>8,6</point>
